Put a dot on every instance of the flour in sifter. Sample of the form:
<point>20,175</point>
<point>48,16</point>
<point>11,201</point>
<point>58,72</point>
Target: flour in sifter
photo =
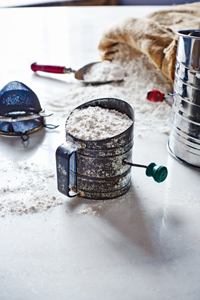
<point>96,123</point>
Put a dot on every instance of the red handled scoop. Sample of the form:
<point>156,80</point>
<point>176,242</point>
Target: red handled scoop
<point>77,74</point>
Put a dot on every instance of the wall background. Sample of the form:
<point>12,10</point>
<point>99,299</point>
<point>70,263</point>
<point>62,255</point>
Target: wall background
<point>154,2</point>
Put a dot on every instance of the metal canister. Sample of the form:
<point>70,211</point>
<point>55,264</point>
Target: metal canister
<point>94,169</point>
<point>184,141</point>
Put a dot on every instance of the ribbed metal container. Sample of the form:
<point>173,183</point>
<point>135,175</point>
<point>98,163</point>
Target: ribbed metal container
<point>94,169</point>
<point>184,140</point>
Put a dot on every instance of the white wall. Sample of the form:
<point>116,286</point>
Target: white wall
<point>155,2</point>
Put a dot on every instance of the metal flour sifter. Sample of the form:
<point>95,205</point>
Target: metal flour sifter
<point>100,169</point>
<point>184,140</point>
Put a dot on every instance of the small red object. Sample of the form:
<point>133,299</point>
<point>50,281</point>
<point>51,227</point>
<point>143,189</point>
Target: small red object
<point>50,69</point>
<point>155,96</point>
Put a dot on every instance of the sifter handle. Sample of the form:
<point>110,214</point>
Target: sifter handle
<point>49,69</point>
<point>65,161</point>
<point>157,96</point>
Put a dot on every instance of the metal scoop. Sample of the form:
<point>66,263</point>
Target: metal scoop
<point>77,74</point>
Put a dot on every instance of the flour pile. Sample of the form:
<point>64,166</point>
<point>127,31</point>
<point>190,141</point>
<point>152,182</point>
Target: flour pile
<point>32,190</point>
<point>33,187</point>
<point>104,71</point>
<point>97,123</point>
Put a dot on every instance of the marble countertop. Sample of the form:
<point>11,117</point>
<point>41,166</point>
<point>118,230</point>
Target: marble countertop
<point>144,245</point>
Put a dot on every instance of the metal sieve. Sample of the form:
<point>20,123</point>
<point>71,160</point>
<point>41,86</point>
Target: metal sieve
<point>20,111</point>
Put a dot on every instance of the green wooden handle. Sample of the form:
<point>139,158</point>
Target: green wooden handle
<point>159,174</point>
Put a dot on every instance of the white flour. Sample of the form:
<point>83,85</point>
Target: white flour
<point>104,71</point>
<point>96,123</point>
<point>29,187</point>
<point>25,188</point>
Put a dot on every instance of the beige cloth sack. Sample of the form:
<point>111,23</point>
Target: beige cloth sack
<point>154,35</point>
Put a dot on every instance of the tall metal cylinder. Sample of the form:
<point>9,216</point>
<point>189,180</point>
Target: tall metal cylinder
<point>184,140</point>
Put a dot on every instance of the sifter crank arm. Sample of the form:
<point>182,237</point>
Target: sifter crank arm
<point>159,174</point>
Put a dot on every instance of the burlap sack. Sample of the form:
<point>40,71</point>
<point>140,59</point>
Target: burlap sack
<point>154,35</point>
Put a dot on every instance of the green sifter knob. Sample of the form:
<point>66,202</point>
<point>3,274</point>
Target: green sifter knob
<point>159,174</point>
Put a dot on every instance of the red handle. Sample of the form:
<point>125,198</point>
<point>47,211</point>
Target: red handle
<point>50,69</point>
<point>155,96</point>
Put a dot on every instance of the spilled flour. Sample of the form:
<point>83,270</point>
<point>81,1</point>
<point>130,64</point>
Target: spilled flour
<point>28,187</point>
<point>141,76</point>
<point>32,189</point>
